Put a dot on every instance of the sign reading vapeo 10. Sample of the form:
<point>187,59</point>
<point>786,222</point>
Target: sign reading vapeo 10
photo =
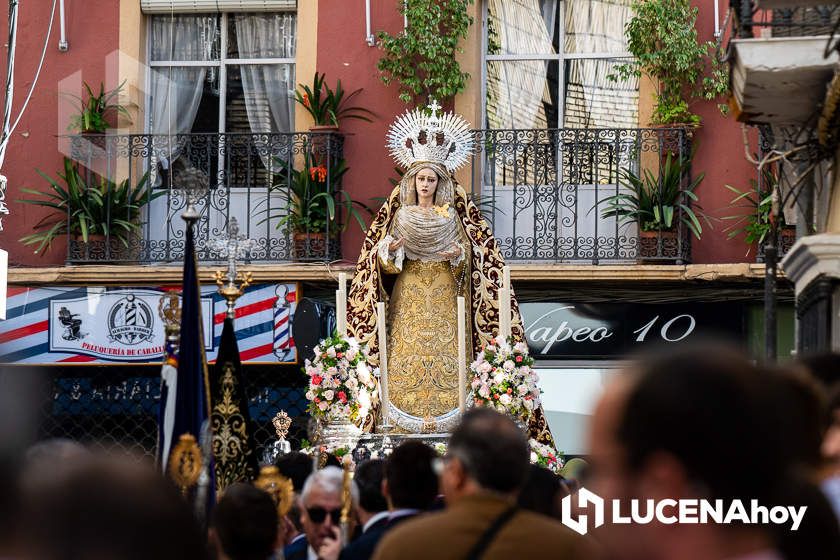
<point>574,330</point>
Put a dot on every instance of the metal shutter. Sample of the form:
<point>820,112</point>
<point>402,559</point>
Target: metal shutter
<point>205,6</point>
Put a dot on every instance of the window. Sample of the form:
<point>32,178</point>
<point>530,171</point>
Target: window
<point>547,62</point>
<point>221,73</point>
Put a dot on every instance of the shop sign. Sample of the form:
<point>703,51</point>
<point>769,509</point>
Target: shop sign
<point>121,325</point>
<point>561,330</point>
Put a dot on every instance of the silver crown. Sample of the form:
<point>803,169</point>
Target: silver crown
<point>417,136</point>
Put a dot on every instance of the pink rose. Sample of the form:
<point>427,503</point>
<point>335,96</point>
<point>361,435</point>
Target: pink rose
<point>316,379</point>
<point>342,396</point>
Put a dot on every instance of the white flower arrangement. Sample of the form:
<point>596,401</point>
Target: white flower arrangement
<point>545,456</point>
<point>503,378</point>
<point>342,386</point>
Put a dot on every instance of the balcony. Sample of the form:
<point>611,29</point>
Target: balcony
<point>543,192</point>
<point>259,179</point>
<point>781,52</point>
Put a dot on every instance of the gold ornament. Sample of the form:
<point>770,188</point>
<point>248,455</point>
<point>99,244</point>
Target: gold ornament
<point>169,310</point>
<point>278,487</point>
<point>282,423</point>
<point>185,463</point>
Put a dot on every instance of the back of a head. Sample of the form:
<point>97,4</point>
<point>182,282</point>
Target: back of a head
<point>803,424</point>
<point>245,521</point>
<point>412,481</point>
<point>296,466</point>
<point>541,492</point>
<point>492,448</point>
<point>368,480</point>
<point>825,368</point>
<point>704,406</point>
<point>105,508</point>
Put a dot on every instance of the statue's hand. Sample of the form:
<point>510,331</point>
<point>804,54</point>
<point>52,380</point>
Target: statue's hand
<point>453,253</point>
<point>396,244</point>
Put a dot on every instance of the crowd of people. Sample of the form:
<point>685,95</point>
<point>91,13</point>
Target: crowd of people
<point>701,423</point>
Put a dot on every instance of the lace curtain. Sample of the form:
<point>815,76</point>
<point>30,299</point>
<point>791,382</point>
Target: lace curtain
<point>176,90</point>
<point>267,87</point>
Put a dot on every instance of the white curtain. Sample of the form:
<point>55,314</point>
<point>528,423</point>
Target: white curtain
<point>267,87</point>
<point>516,89</point>
<point>176,90</point>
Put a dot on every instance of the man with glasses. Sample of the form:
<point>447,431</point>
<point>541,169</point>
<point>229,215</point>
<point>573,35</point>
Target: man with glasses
<point>320,505</point>
<point>486,464</point>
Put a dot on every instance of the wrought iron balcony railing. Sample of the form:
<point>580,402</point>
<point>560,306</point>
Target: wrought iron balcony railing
<point>275,185</point>
<point>552,195</point>
<point>800,21</point>
<point>560,195</point>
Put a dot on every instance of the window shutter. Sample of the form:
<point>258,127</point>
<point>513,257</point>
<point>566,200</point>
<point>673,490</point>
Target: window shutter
<point>209,6</point>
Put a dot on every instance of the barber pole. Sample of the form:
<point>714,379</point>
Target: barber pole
<point>282,327</point>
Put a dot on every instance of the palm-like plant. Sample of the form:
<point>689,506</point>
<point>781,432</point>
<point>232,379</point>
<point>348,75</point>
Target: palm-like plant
<point>94,111</point>
<point>328,107</point>
<point>653,202</point>
<point>315,197</point>
<point>85,208</point>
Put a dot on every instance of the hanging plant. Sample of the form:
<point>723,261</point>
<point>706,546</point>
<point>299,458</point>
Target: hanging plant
<point>422,59</point>
<point>662,38</point>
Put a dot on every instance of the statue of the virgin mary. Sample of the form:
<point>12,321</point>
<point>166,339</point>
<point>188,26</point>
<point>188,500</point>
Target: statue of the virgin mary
<point>427,245</point>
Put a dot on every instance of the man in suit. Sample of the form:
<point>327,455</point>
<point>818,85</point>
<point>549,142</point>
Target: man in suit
<point>320,513</point>
<point>485,465</point>
<point>244,524</point>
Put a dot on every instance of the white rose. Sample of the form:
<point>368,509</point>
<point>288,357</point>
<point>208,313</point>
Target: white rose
<point>485,367</point>
<point>331,351</point>
<point>484,391</point>
<point>332,370</point>
<point>520,347</point>
<point>522,390</point>
<point>322,406</point>
<point>505,399</point>
<point>509,365</point>
<point>363,372</point>
<point>501,408</point>
<point>329,394</point>
<point>533,457</point>
<point>352,384</point>
<point>352,353</point>
<point>476,382</point>
<point>499,378</point>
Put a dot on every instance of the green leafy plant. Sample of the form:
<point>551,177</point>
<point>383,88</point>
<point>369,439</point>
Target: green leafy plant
<point>94,110</point>
<point>662,38</point>
<point>84,209</point>
<point>754,222</point>
<point>656,202</point>
<point>422,59</point>
<point>315,197</point>
<point>327,106</point>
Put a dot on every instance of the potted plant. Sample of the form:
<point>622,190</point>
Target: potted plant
<point>95,111</point>
<point>317,208</point>
<point>658,204</point>
<point>756,221</point>
<point>94,211</point>
<point>328,107</point>
<point>662,38</point>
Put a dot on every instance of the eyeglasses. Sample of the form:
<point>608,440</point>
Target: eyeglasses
<point>319,514</point>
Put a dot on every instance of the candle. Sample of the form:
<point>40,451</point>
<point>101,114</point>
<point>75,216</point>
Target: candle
<point>383,360</point>
<point>504,313</point>
<point>506,277</point>
<point>341,304</point>
<point>462,355</point>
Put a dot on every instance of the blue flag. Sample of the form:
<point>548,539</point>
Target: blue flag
<point>185,402</point>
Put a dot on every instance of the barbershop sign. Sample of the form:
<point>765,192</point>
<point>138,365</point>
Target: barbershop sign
<point>560,330</point>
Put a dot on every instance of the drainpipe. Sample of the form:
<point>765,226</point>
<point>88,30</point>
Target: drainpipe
<point>63,46</point>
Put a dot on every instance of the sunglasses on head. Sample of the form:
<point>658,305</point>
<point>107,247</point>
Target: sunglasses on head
<point>319,514</point>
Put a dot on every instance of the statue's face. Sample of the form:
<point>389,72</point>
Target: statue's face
<point>426,182</point>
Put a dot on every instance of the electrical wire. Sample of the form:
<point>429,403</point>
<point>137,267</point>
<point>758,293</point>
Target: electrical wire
<point>7,132</point>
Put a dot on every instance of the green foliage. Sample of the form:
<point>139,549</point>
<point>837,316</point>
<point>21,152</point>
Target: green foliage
<point>316,198</point>
<point>653,202</point>
<point>95,109</point>
<point>327,106</point>
<point>422,59</point>
<point>663,39</point>
<point>755,221</point>
<point>101,207</point>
